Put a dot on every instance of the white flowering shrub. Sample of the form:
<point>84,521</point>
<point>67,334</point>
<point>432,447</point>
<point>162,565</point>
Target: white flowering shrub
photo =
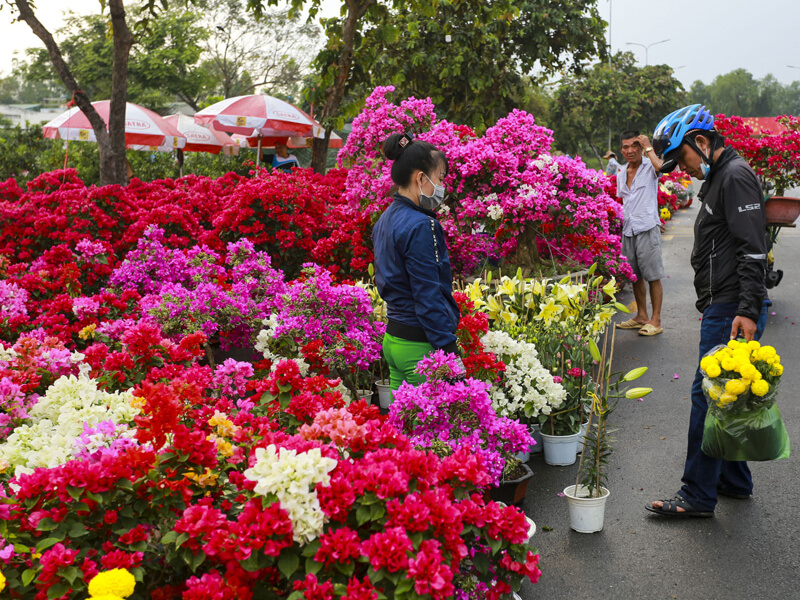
<point>49,437</point>
<point>292,477</point>
<point>526,388</point>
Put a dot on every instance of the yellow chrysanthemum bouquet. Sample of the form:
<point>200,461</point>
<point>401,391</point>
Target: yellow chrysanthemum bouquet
<point>740,382</point>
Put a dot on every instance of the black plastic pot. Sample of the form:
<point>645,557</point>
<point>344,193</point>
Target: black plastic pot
<point>512,491</point>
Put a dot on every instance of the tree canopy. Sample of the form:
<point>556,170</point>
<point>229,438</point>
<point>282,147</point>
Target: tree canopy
<point>621,97</point>
<point>739,93</point>
<point>473,58</point>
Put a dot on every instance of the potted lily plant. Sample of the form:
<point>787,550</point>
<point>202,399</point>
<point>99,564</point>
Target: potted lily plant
<point>587,498</point>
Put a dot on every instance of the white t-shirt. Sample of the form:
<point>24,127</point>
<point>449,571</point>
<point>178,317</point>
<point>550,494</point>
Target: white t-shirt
<point>640,201</point>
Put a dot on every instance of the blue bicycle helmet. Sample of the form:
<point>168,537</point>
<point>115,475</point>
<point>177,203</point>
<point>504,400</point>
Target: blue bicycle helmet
<point>673,130</point>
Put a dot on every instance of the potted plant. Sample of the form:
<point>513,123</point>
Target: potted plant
<point>446,410</point>
<point>561,319</point>
<point>587,498</point>
<point>525,389</point>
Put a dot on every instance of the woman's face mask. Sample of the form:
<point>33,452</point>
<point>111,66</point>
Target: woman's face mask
<point>431,202</point>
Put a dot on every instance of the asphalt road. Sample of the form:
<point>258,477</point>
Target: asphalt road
<point>749,549</point>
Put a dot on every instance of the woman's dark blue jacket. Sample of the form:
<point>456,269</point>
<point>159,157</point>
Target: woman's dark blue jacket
<point>412,272</point>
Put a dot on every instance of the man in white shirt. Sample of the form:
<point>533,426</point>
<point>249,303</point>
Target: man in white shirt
<point>637,185</point>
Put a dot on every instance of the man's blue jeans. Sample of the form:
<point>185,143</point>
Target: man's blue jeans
<point>702,474</point>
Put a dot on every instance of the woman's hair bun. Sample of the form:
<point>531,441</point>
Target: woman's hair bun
<point>395,144</point>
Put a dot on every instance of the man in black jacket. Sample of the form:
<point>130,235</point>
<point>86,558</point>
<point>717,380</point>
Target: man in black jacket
<point>729,260</point>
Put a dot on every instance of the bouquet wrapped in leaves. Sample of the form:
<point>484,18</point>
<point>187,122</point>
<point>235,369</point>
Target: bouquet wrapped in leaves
<point>740,382</point>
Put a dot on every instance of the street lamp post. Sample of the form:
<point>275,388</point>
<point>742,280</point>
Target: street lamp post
<point>646,48</point>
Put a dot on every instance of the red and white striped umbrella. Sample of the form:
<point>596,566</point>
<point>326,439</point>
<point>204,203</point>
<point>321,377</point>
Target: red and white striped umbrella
<point>198,137</point>
<point>255,115</point>
<point>142,126</point>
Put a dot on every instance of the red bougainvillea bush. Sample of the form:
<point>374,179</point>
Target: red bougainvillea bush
<point>508,193</point>
<point>126,443</point>
<point>296,217</point>
<point>775,157</point>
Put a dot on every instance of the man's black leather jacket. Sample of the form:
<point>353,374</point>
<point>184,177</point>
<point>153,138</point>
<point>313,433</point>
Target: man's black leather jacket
<point>730,238</point>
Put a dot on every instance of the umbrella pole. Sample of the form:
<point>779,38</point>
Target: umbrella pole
<point>258,156</point>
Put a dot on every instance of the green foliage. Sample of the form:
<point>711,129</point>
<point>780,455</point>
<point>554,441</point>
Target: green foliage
<point>618,98</point>
<point>739,93</point>
<point>163,63</point>
<point>25,154</point>
<point>480,74</point>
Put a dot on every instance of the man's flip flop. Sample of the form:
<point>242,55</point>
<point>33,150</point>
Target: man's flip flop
<point>629,324</point>
<point>650,330</point>
<point>670,509</point>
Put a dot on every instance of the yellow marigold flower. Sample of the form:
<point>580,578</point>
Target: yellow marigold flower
<point>706,361</point>
<point>748,371</point>
<point>733,344</point>
<point>726,399</point>
<point>735,386</point>
<point>777,370</point>
<point>116,582</point>
<point>713,370</point>
<point>759,388</point>
<point>715,392</point>
<point>753,345</point>
<point>728,363</point>
<point>2,582</point>
<point>106,597</point>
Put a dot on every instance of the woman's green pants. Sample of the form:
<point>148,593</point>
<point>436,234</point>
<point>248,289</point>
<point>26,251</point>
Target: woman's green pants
<point>403,356</point>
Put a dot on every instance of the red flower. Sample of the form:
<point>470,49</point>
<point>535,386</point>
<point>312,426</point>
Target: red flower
<point>340,545</point>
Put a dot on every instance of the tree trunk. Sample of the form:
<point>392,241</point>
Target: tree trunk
<point>334,94</point>
<point>123,40</point>
<point>110,161</point>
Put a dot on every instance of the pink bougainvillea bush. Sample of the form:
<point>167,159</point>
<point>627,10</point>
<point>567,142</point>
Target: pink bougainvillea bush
<point>506,189</point>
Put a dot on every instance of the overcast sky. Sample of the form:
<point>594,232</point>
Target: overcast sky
<point>706,37</point>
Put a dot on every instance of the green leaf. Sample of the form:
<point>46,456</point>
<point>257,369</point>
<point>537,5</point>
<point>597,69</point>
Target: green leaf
<point>77,530</point>
<point>195,560</point>
<point>70,573</point>
<point>288,564</point>
<point>481,562</point>
<point>363,514</point>
<point>312,566</point>
<point>28,575</point>
<point>181,538</point>
<point>404,586</point>
<point>46,524</point>
<point>495,545</point>
<point>74,491</point>
<point>47,543</point>
<point>57,590</point>
<point>169,537</point>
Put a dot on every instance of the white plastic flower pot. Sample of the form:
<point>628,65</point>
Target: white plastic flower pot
<point>523,456</point>
<point>364,395</point>
<point>384,393</point>
<point>536,434</point>
<point>531,528</point>
<point>560,450</point>
<point>586,513</point>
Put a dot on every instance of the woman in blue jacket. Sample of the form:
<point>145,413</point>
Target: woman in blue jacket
<point>412,266</point>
